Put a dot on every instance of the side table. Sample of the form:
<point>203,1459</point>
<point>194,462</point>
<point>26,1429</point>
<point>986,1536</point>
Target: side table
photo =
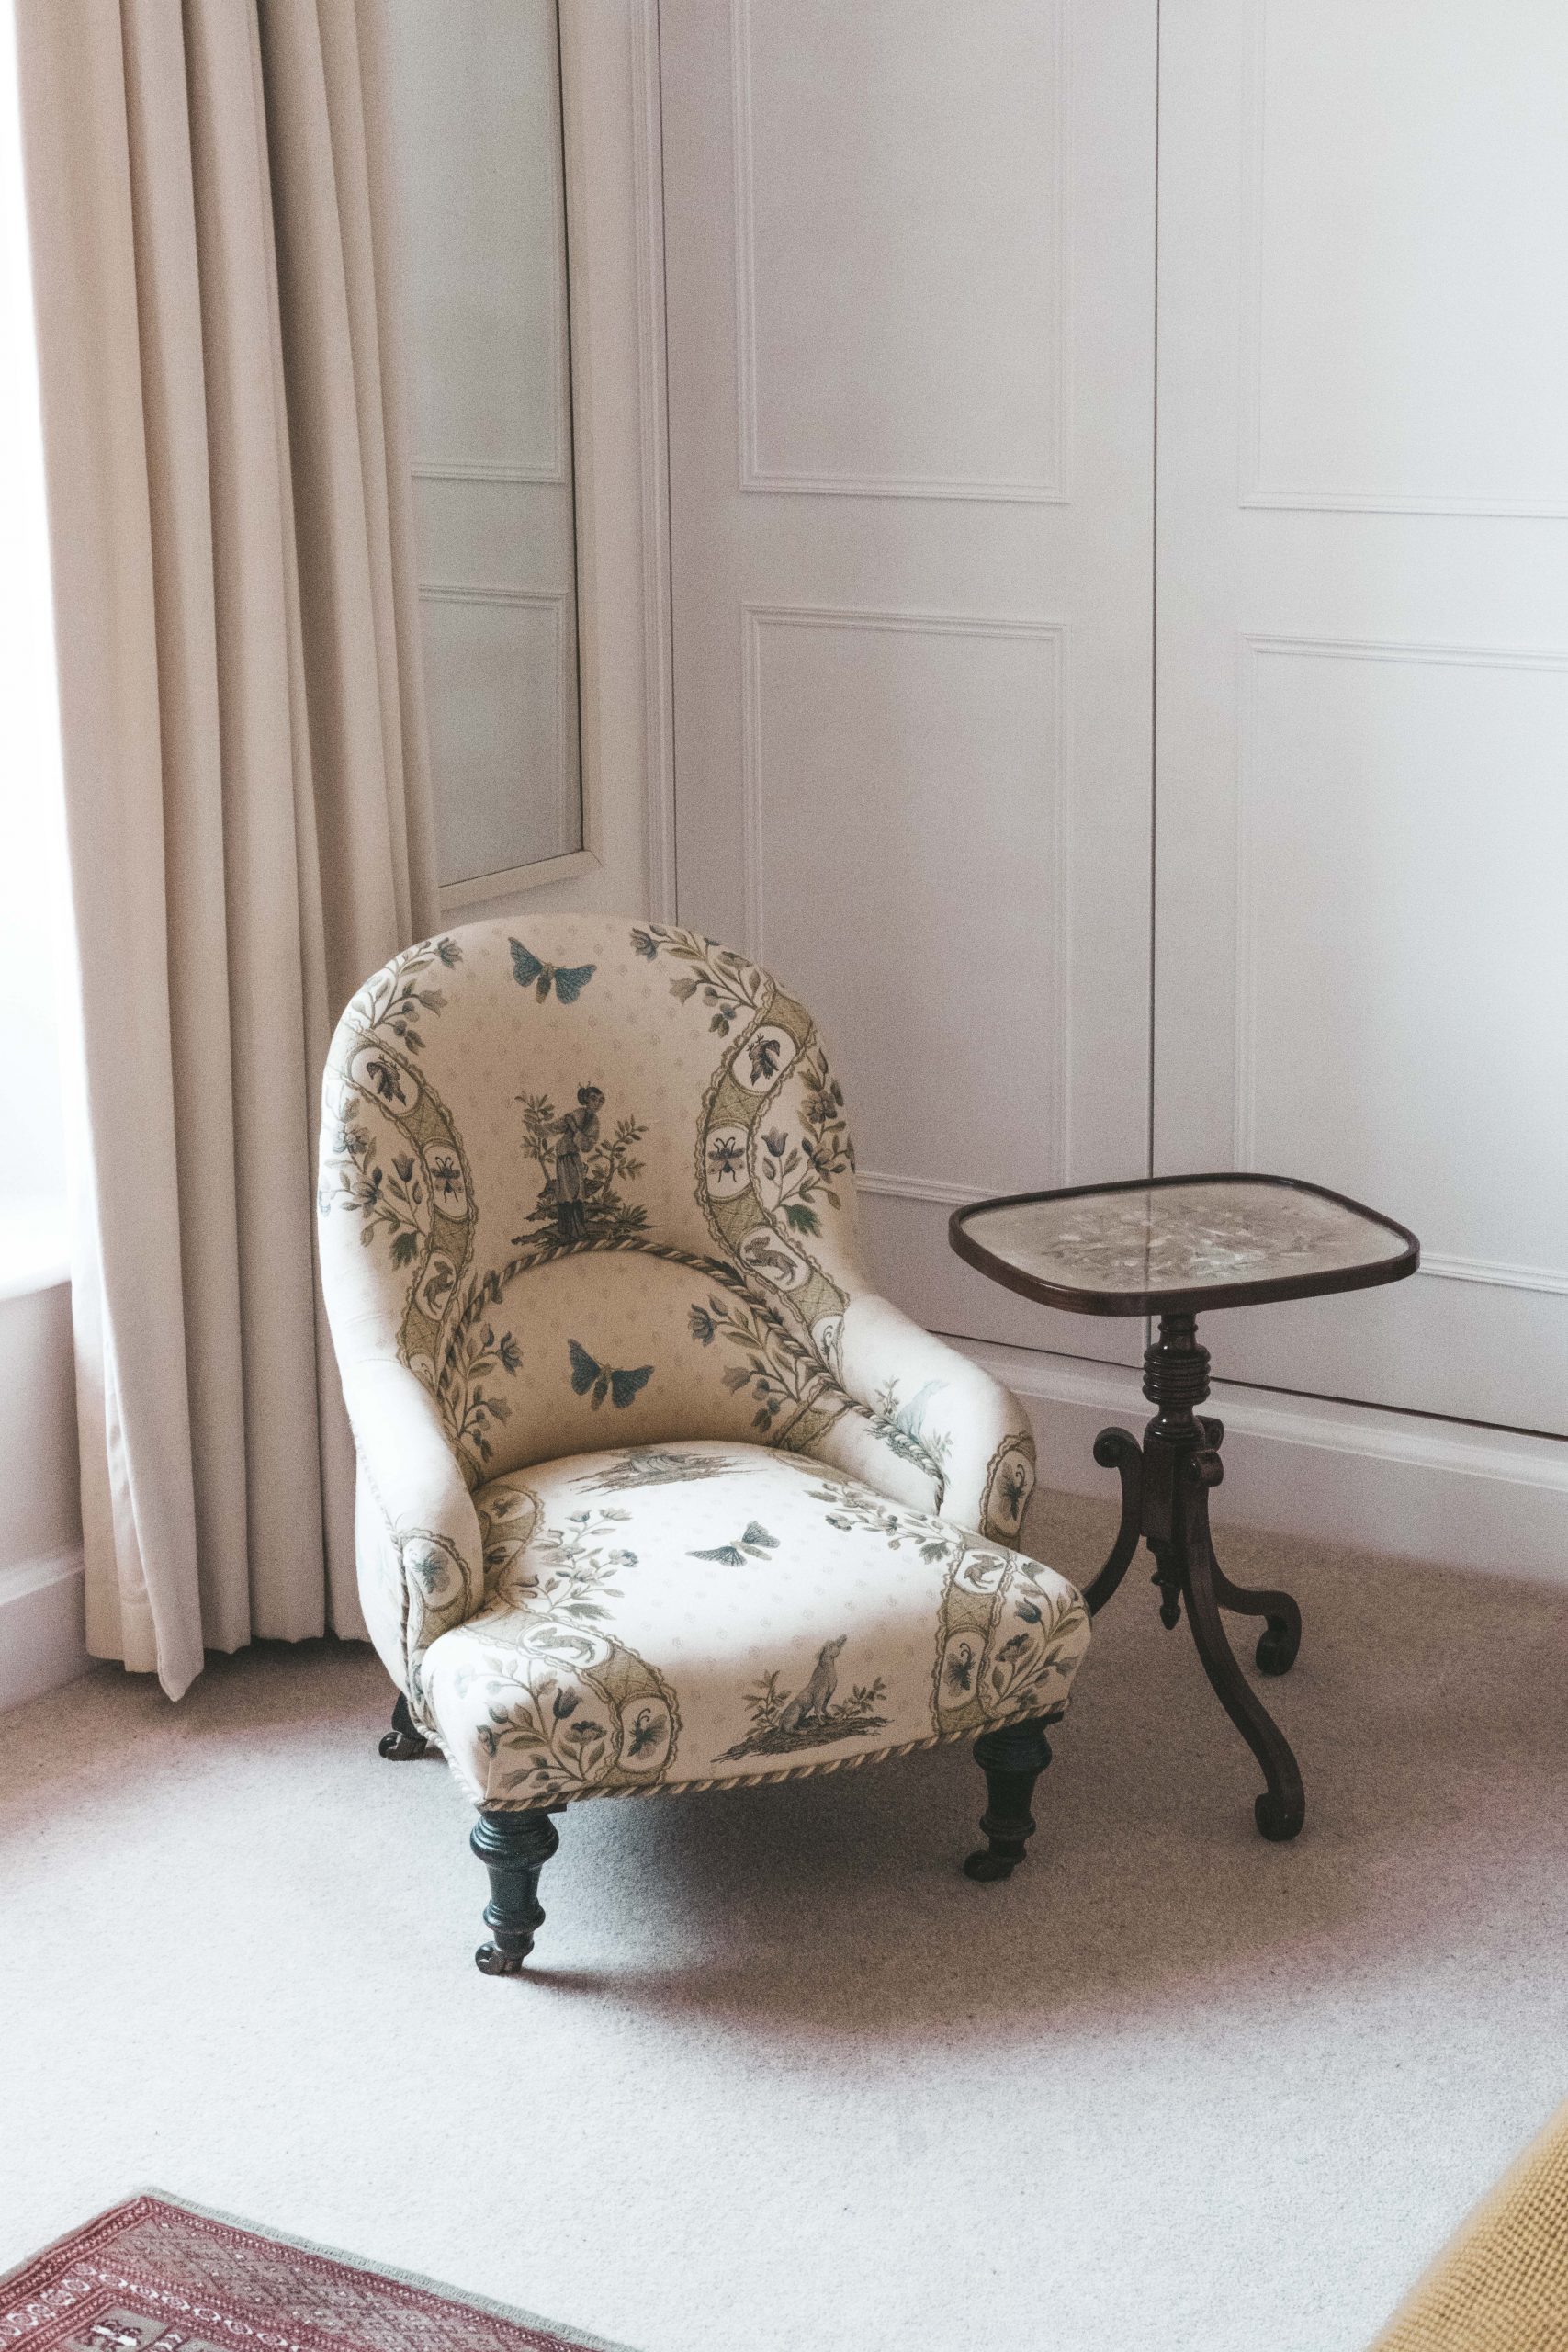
<point>1176,1247</point>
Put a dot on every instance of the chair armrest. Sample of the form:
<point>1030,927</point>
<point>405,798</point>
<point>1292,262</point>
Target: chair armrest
<point>967,1436</point>
<point>417,1484</point>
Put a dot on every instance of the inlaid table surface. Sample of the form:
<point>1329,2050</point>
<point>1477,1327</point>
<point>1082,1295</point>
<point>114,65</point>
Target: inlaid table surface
<point>1181,1241</point>
<point>1173,1246</point>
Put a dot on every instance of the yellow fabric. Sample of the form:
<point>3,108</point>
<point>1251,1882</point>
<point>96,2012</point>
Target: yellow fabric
<point>1502,2284</point>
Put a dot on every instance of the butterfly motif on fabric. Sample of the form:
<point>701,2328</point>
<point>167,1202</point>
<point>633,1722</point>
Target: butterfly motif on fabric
<point>619,1386</point>
<point>569,980</point>
<point>756,1543</point>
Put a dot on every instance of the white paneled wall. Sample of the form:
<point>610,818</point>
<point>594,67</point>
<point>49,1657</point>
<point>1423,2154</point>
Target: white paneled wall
<point>911,334</point>
<point>941,680</point>
<point>1363,666</point>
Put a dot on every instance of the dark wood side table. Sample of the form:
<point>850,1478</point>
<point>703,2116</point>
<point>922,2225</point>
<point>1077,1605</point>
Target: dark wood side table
<point>1176,1247</point>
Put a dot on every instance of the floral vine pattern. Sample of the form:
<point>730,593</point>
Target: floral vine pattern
<point>727,984</point>
<point>570,1709</point>
<point>902,1429</point>
<point>791,1175</point>
<point>398,1202</point>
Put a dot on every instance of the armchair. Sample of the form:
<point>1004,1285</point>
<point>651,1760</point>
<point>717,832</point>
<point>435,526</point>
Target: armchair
<point>655,1493</point>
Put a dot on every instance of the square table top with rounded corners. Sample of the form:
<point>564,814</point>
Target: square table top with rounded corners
<point>1182,1244</point>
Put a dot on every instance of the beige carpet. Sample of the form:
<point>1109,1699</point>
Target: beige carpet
<point>785,2081</point>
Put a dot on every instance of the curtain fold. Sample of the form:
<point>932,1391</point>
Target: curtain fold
<point>247,797</point>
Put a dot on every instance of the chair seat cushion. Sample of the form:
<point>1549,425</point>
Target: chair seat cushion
<point>672,1617</point>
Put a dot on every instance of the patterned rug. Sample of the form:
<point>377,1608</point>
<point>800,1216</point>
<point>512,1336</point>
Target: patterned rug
<point>156,2275</point>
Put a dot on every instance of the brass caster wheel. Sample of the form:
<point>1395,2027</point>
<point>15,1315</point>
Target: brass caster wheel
<point>491,1961</point>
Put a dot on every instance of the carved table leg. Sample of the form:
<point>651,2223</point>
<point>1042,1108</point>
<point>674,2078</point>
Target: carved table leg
<point>1013,1760</point>
<point>514,1847</point>
<point>1168,1578</point>
<point>1119,1450</point>
<point>1281,1809</point>
<point>1281,1637</point>
<point>404,1743</point>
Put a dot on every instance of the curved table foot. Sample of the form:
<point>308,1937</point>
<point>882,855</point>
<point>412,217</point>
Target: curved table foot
<point>1282,1637</point>
<point>1281,1810</point>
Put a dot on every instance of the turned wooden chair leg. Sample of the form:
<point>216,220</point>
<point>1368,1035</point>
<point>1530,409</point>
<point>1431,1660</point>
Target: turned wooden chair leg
<point>404,1743</point>
<point>1013,1760</point>
<point>514,1847</point>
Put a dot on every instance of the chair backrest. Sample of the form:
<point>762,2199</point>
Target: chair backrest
<point>591,1180</point>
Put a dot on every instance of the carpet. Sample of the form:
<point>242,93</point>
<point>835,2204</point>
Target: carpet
<point>780,2079</point>
<point>154,2273</point>
<point>1502,2286</point>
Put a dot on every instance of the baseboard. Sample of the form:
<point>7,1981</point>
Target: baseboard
<point>1395,1483</point>
<point>42,1641</point>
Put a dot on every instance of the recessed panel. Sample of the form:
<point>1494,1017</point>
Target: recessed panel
<point>1403,955</point>
<point>1408,205</point>
<point>475,89</point>
<point>898,233</point>
<point>503,728</point>
<point>904,790</point>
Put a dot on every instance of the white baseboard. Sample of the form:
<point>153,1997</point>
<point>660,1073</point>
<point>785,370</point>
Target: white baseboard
<point>42,1639</point>
<point>1395,1483</point>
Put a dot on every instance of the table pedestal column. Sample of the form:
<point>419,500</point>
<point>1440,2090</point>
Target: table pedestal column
<point>1165,1503</point>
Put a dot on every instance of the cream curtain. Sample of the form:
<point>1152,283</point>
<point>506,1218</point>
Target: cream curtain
<point>248,810</point>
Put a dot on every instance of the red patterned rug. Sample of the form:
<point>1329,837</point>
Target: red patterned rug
<point>155,2275</point>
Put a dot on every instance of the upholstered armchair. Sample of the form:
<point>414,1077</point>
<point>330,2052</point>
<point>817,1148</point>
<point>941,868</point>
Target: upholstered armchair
<point>655,1492</point>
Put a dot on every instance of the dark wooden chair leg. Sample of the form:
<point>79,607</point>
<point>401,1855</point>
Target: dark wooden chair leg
<point>514,1847</point>
<point>402,1743</point>
<point>1281,1809</point>
<point>1013,1760</point>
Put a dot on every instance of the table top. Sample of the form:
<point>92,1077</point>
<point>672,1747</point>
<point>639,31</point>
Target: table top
<point>1176,1244</point>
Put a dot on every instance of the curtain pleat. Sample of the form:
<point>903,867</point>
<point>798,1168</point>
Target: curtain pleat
<point>248,808</point>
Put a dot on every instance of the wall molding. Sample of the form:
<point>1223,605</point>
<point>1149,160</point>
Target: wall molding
<point>481,469</point>
<point>918,1188</point>
<point>1051,490</point>
<point>1317,1469</point>
<point>1257,647</point>
<point>1253,491</point>
<point>903,621</point>
<point>42,1640</point>
<point>1550,1279</point>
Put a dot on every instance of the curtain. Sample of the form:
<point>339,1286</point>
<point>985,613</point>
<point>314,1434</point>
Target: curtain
<point>247,798</point>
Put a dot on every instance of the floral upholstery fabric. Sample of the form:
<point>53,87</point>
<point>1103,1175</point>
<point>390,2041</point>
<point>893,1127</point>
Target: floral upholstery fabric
<point>587,1199</point>
<point>668,1616</point>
